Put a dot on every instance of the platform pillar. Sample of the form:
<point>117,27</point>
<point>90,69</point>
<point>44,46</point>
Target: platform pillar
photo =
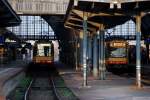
<point>85,34</point>
<point>76,53</point>
<point>147,53</point>
<point>102,67</point>
<point>89,52</point>
<point>99,54</point>
<point>81,50</point>
<point>138,55</point>
<point>95,56</point>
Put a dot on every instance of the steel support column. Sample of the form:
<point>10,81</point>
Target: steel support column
<point>89,52</point>
<point>87,55</point>
<point>138,55</point>
<point>34,27</point>
<point>95,57</point>
<point>147,53</point>
<point>27,26</point>
<point>76,52</point>
<point>85,51</point>
<point>101,55</point>
<point>81,50</point>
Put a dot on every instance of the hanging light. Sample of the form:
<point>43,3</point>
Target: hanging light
<point>115,2</point>
<point>137,5</point>
<point>75,2</point>
<point>93,5</point>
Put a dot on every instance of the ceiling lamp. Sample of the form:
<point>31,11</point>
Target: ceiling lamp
<point>115,3</point>
<point>75,2</point>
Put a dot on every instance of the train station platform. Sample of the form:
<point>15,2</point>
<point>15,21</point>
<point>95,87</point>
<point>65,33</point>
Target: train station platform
<point>113,88</point>
<point>14,64</point>
<point>10,75</point>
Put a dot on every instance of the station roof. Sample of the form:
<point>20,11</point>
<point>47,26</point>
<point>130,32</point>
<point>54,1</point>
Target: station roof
<point>63,34</point>
<point>8,17</point>
<point>99,12</point>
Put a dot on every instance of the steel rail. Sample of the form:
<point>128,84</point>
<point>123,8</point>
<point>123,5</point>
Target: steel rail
<point>54,88</point>
<point>27,91</point>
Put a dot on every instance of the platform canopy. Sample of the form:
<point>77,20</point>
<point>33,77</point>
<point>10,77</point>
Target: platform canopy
<point>110,13</point>
<point>7,15</point>
<point>11,36</point>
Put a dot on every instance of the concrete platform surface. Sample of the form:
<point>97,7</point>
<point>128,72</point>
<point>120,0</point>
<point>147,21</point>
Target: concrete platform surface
<point>13,64</point>
<point>9,78</point>
<point>10,75</point>
<point>113,88</point>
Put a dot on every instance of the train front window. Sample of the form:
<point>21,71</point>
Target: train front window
<point>118,52</point>
<point>44,50</point>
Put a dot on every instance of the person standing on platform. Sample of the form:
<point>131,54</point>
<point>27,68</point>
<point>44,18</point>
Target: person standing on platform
<point>23,52</point>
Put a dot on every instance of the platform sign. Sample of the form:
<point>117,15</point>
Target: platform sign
<point>2,40</point>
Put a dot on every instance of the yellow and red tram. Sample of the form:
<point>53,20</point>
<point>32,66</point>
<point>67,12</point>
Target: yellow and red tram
<point>43,52</point>
<point>116,53</point>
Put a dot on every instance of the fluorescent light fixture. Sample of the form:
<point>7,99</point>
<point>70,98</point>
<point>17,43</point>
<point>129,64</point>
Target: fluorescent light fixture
<point>119,5</point>
<point>111,5</point>
<point>75,2</point>
<point>115,2</point>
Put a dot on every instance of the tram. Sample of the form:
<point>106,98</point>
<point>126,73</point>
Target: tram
<point>43,52</point>
<point>116,53</point>
<point>121,57</point>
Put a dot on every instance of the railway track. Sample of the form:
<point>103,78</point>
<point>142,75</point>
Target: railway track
<point>47,84</point>
<point>42,82</point>
<point>41,88</point>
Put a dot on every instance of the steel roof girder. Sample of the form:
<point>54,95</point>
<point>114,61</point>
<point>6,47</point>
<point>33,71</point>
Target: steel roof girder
<point>71,26</point>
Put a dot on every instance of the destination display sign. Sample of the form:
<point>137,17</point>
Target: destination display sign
<point>117,44</point>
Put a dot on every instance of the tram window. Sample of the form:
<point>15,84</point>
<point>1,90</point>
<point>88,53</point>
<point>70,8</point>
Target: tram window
<point>118,52</point>
<point>46,51</point>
